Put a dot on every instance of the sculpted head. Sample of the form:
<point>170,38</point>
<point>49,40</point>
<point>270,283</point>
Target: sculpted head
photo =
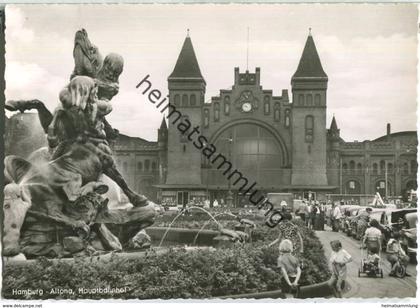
<point>89,51</point>
<point>112,68</point>
<point>16,203</point>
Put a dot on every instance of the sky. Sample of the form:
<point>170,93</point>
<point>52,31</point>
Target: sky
<point>369,53</point>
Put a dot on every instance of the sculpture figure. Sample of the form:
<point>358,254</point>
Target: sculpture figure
<point>79,150</point>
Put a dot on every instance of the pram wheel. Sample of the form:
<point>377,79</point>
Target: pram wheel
<point>400,271</point>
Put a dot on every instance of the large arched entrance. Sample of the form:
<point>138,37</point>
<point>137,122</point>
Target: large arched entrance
<point>253,150</point>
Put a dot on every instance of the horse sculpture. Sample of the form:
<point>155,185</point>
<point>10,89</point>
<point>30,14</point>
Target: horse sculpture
<point>39,215</point>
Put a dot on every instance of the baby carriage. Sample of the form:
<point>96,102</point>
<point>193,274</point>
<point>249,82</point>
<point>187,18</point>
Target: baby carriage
<point>371,263</point>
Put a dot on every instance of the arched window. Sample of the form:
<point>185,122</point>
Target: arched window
<point>216,111</point>
<point>359,168</point>
<point>301,99</point>
<point>382,166</point>
<point>177,99</point>
<point>413,166</point>
<point>227,105</point>
<point>193,100</point>
<point>375,168</point>
<point>352,166</point>
<point>309,128</point>
<point>154,166</point>
<point>390,168</point>
<point>287,118</point>
<point>277,112</point>
<point>184,136</point>
<point>405,168</point>
<point>317,99</point>
<point>266,105</point>
<point>206,117</point>
<point>140,166</point>
<point>309,99</point>
<point>184,100</point>
<point>147,165</point>
<point>345,168</point>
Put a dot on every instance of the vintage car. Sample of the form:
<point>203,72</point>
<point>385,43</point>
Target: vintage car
<point>394,220</point>
<point>409,235</point>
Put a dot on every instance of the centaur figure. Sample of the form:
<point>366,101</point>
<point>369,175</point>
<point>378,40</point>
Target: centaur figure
<point>79,153</point>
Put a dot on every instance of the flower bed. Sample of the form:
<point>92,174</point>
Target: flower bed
<point>244,268</point>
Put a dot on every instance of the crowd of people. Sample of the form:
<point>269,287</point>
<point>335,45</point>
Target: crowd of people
<point>318,214</point>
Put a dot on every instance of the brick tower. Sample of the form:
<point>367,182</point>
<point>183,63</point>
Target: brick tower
<point>309,134</point>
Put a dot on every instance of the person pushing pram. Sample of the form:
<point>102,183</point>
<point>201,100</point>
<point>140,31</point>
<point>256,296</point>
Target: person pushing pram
<point>371,259</point>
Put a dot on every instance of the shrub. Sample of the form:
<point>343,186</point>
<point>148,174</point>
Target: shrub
<point>177,273</point>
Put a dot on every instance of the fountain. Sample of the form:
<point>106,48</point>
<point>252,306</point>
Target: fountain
<point>182,212</point>
<point>208,221</point>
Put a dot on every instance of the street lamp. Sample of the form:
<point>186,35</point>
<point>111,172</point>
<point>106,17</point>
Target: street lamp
<point>229,199</point>
<point>206,164</point>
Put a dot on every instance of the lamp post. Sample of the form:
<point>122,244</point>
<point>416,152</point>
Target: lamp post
<point>206,164</point>
<point>229,199</point>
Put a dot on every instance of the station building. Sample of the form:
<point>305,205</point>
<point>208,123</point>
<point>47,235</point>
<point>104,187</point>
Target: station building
<point>282,143</point>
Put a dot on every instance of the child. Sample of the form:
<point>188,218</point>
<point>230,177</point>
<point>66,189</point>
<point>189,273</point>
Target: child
<point>338,260</point>
<point>395,253</point>
<point>372,261</point>
<point>289,265</point>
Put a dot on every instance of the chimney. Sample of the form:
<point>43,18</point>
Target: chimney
<point>388,129</point>
<point>285,95</point>
<point>236,75</point>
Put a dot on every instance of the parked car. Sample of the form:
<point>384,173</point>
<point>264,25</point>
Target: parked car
<point>409,235</point>
<point>394,220</point>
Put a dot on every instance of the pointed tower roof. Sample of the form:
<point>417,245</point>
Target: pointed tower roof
<point>187,65</point>
<point>163,124</point>
<point>310,64</point>
<point>333,124</point>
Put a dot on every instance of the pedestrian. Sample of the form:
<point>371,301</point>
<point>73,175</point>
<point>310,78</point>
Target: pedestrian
<point>312,212</point>
<point>207,203</point>
<point>336,218</point>
<point>317,219</point>
<point>302,211</point>
<point>289,231</point>
<point>362,222</point>
<point>396,253</point>
<point>322,209</point>
<point>373,236</point>
<point>338,262</point>
<point>283,206</point>
<point>307,213</point>
<point>215,203</point>
<point>289,266</point>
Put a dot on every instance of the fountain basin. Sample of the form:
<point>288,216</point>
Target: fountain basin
<point>182,236</point>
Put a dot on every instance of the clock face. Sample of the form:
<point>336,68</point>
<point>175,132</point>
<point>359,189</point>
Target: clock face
<point>246,101</point>
<point>246,107</point>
